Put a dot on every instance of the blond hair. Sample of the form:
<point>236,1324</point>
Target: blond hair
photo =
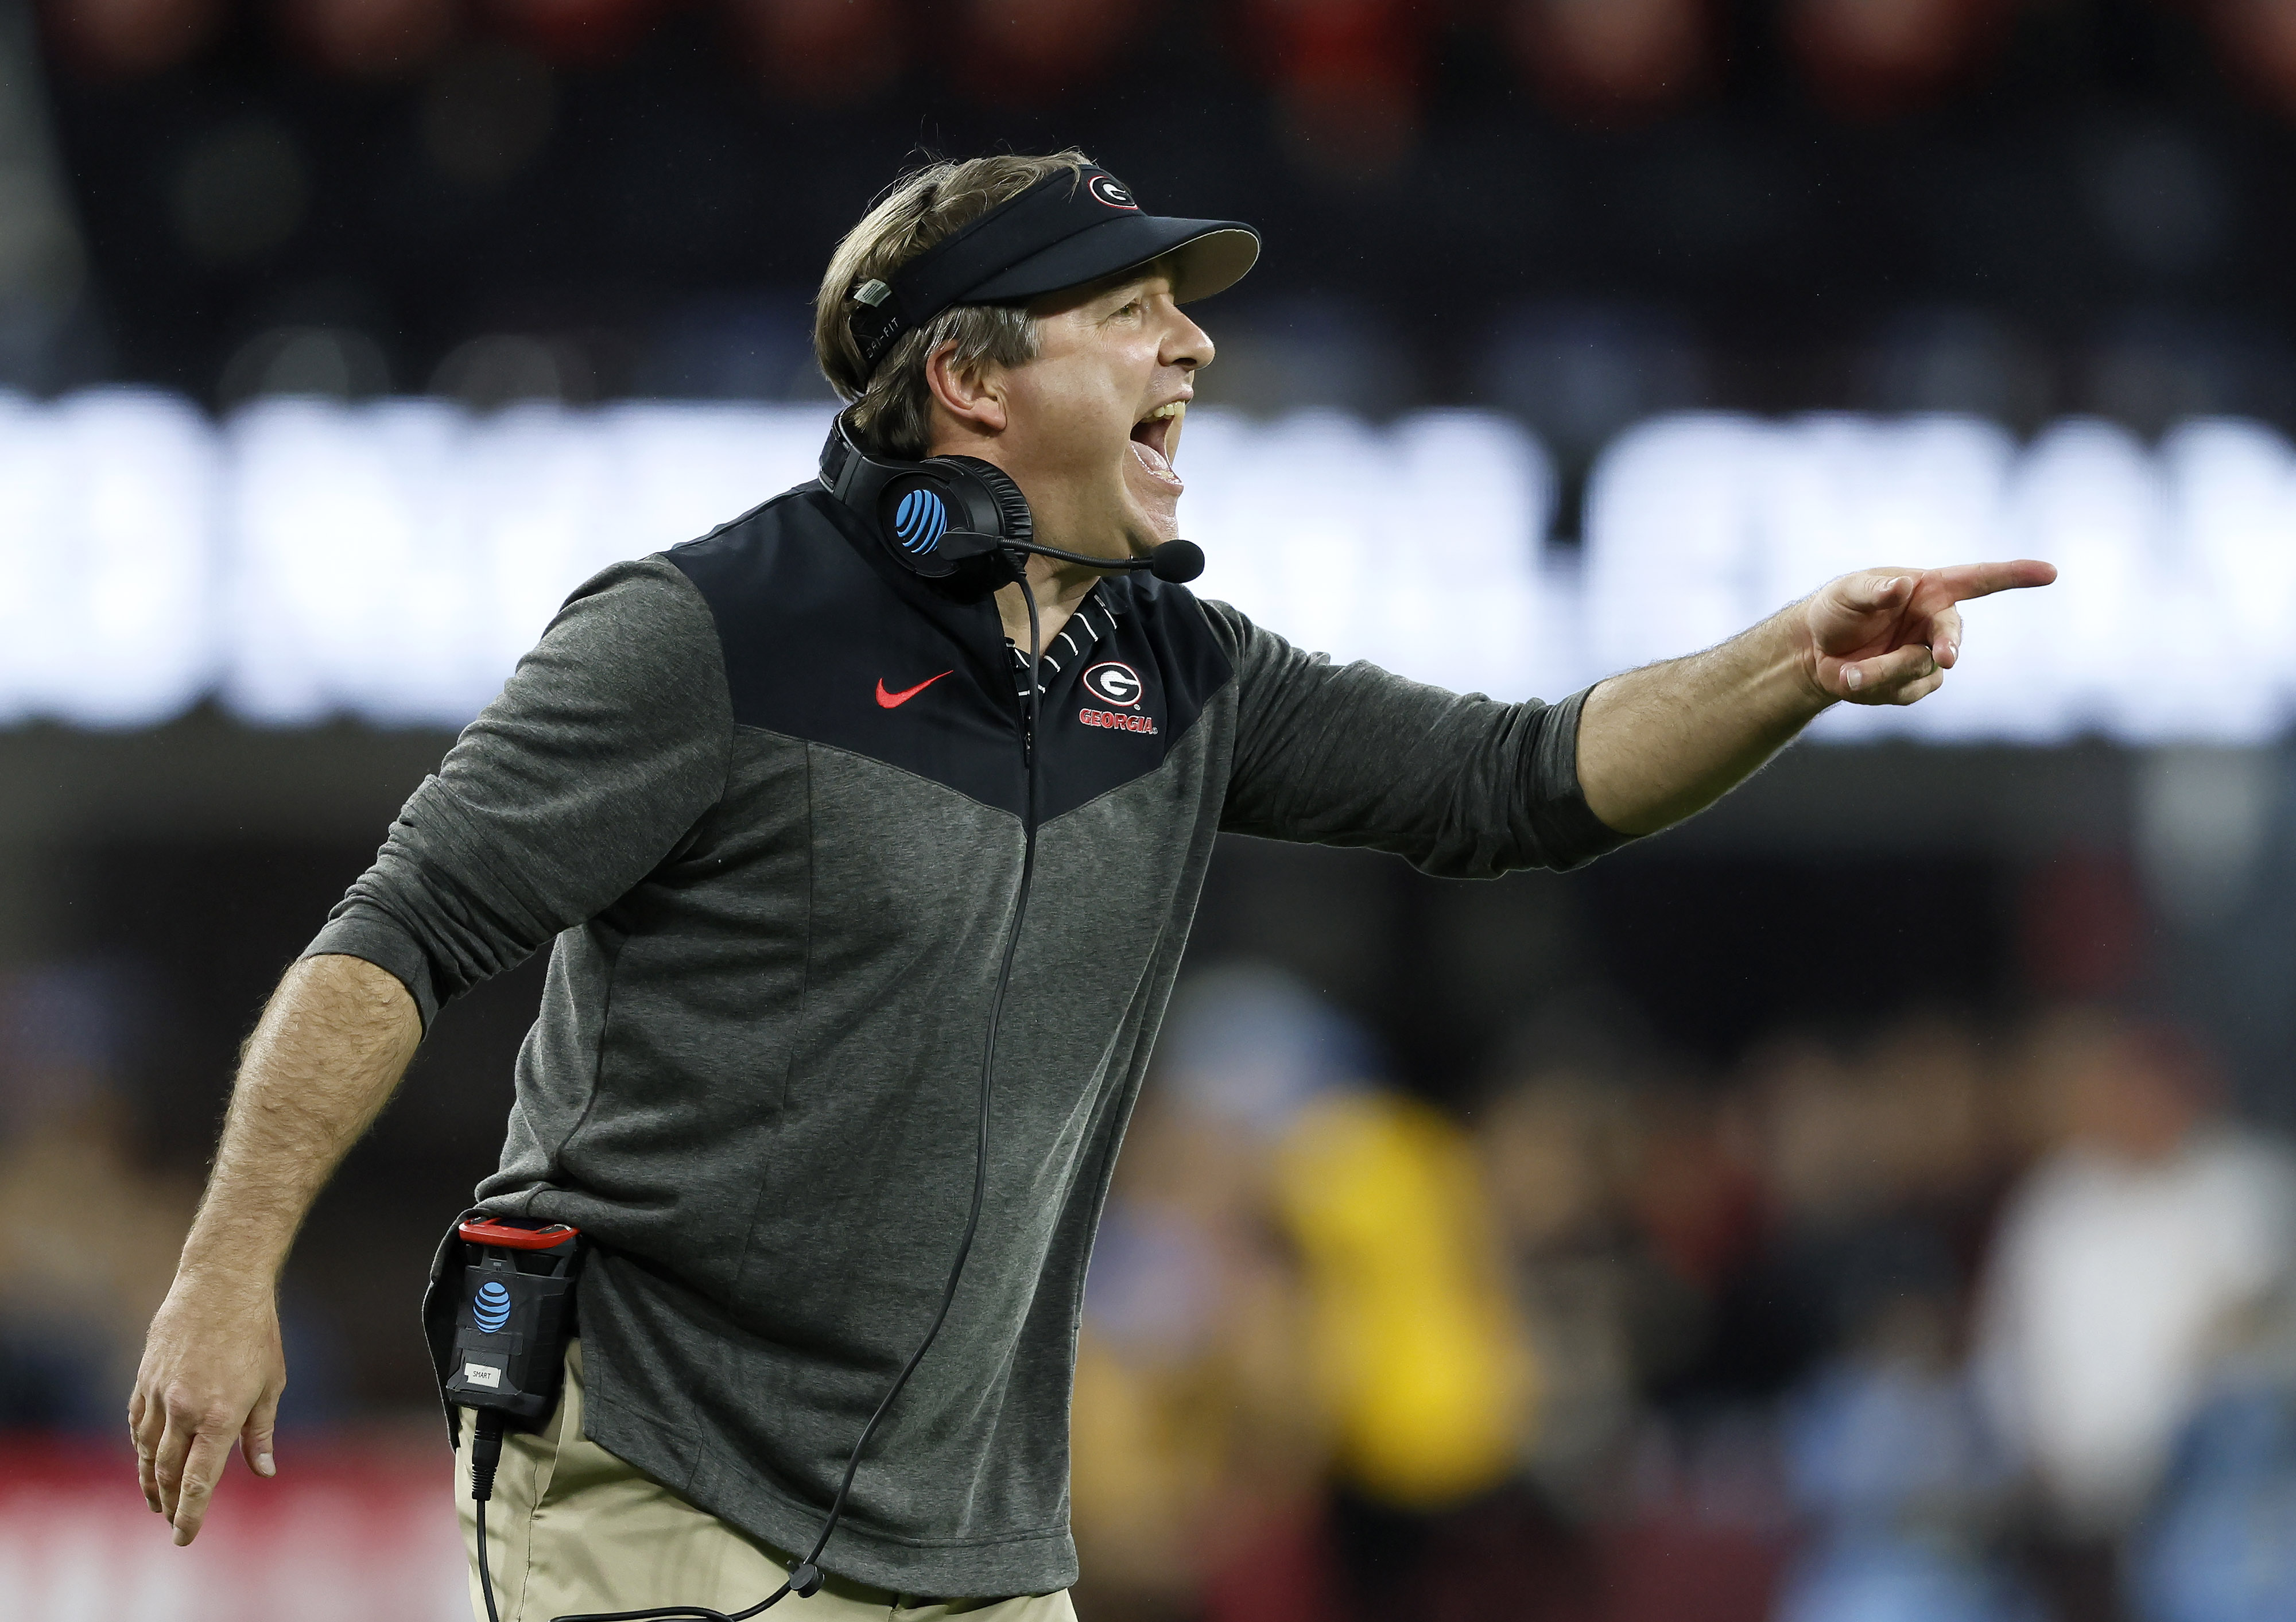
<point>892,406</point>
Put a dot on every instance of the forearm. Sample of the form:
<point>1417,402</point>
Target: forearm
<point>329,1050</point>
<point>1660,743</point>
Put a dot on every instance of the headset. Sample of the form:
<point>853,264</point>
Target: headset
<point>963,521</point>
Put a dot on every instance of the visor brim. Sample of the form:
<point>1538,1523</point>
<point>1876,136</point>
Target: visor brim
<point>1213,255</point>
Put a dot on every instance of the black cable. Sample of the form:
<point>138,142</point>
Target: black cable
<point>805,1577</point>
<point>485,1452</point>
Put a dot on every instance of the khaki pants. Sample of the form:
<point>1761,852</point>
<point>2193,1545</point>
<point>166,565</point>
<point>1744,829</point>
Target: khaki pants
<point>572,1528</point>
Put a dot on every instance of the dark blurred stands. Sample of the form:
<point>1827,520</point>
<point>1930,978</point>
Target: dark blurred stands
<point>1574,208</point>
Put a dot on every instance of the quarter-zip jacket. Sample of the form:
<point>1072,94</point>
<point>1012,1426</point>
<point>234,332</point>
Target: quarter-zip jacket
<point>767,795</point>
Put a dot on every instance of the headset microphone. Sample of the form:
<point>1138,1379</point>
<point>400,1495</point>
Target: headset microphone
<point>1177,561</point>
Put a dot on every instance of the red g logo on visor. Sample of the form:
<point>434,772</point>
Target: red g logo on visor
<point>1113,684</point>
<point>1110,191</point>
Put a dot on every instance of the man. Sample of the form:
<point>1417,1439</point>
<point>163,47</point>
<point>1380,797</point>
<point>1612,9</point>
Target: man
<point>857,899</point>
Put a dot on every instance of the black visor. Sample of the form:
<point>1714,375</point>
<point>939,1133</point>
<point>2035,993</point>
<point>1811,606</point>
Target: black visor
<point>1066,230</point>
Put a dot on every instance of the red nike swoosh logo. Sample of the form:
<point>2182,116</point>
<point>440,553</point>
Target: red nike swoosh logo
<point>893,700</point>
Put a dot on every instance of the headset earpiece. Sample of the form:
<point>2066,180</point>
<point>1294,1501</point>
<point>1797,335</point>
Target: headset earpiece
<point>1016,522</point>
<point>946,519</point>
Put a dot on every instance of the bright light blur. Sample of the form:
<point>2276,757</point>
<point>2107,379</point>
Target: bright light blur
<point>391,561</point>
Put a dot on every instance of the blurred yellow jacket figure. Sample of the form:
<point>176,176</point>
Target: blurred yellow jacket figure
<point>1418,1352</point>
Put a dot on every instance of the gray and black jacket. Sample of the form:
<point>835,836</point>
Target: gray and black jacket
<point>766,796</point>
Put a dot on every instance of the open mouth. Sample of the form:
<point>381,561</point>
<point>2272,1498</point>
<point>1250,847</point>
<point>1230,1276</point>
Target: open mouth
<point>1156,436</point>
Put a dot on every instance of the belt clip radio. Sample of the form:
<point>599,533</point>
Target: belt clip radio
<point>516,1316</point>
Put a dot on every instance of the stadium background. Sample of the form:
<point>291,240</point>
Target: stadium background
<point>1862,1203</point>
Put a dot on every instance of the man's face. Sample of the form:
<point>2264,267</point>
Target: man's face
<point>1090,426</point>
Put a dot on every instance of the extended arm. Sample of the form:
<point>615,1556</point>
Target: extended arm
<point>1657,745</point>
<point>325,1057</point>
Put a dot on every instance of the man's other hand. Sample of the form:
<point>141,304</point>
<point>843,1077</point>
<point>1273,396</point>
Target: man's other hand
<point>211,1378</point>
<point>1888,636</point>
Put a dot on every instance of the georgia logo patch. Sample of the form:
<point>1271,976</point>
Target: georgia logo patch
<point>1111,192</point>
<point>1114,683</point>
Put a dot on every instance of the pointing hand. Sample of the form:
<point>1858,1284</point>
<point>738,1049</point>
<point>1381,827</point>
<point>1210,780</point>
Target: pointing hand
<point>1888,636</point>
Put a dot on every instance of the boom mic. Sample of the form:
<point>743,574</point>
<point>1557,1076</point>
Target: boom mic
<point>1177,561</point>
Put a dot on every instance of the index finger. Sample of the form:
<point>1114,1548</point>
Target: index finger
<point>1964,581</point>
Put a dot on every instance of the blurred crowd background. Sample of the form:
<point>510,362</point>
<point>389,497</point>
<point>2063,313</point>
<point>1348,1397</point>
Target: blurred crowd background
<point>1867,1203</point>
<point>1582,210</point>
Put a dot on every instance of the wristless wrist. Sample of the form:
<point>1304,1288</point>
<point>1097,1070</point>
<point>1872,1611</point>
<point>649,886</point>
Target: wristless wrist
<point>230,1263</point>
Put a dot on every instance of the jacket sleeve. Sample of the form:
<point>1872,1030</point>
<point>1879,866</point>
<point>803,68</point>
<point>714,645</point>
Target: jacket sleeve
<point>1463,786</point>
<point>608,744</point>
